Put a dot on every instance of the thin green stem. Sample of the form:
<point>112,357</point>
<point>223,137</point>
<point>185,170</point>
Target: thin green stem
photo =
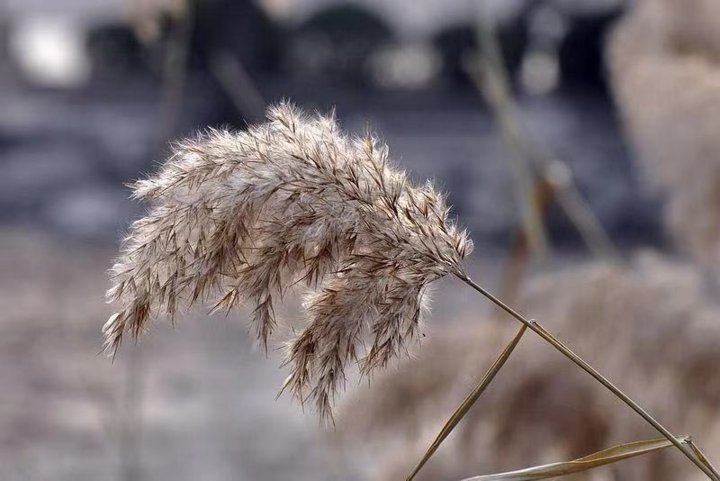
<point>465,406</point>
<point>543,333</point>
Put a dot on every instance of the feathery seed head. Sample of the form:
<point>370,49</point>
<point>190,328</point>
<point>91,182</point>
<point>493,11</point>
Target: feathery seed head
<point>241,217</point>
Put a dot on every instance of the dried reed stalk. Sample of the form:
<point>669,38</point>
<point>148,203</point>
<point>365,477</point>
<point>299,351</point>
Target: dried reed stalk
<point>540,409</point>
<point>595,374</point>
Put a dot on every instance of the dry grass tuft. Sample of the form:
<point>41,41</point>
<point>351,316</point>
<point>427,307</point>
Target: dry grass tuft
<point>665,64</point>
<point>648,326</point>
<point>242,217</point>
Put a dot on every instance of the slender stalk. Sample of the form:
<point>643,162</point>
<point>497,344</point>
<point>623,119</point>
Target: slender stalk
<point>607,456</point>
<point>494,86</point>
<point>568,197</point>
<point>130,436</point>
<point>239,86</point>
<point>531,159</point>
<point>175,73</point>
<point>520,253</point>
<point>542,332</point>
<point>468,402</point>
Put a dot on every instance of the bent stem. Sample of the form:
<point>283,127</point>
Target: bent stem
<point>540,331</point>
<point>468,402</point>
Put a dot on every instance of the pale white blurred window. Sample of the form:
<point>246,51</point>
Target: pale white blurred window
<point>50,51</point>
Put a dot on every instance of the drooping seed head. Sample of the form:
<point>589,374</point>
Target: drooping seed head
<point>240,217</point>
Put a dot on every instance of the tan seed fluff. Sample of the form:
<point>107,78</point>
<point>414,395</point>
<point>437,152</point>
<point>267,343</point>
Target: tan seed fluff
<point>240,217</point>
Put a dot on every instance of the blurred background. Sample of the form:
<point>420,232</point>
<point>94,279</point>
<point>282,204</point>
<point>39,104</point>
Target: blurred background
<point>566,145</point>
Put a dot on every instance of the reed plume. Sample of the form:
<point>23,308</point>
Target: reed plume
<point>240,217</point>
